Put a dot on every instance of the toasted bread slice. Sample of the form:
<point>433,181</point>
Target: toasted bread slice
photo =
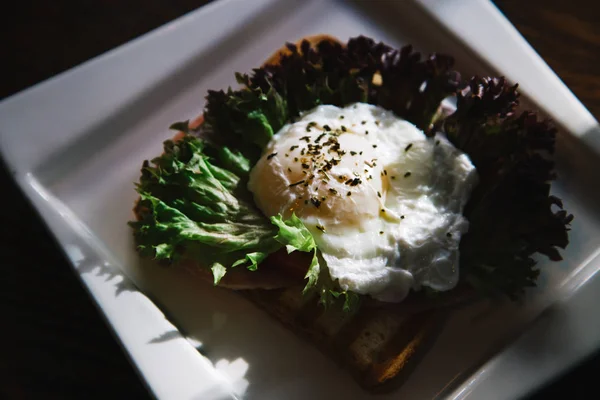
<point>379,345</point>
<point>312,40</point>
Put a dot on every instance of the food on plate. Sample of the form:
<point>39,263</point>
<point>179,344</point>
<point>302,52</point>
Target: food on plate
<point>335,190</point>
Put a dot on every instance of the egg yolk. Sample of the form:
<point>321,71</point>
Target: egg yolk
<point>317,171</point>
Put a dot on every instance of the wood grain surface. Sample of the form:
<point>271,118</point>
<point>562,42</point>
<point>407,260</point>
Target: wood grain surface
<point>566,33</point>
<point>54,344</point>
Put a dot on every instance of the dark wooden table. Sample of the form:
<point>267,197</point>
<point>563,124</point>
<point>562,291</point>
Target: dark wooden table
<point>53,342</point>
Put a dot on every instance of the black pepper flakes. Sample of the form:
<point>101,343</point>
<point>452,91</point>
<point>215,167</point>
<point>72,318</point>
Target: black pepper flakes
<point>326,127</point>
<point>374,146</point>
<point>406,175</point>
<point>381,232</point>
<point>321,228</point>
<point>402,217</point>
<point>363,122</point>
<point>333,191</point>
<point>343,128</point>
<point>294,147</point>
<point>378,194</point>
<point>449,234</point>
<point>271,156</point>
<point>353,153</point>
<point>437,142</point>
<point>316,202</point>
<point>341,117</point>
<point>349,194</point>
<point>296,183</point>
<point>407,148</point>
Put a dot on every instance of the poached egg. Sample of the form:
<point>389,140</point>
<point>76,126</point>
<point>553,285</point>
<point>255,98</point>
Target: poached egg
<point>382,200</point>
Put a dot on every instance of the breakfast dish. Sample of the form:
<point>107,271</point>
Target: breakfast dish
<point>337,192</point>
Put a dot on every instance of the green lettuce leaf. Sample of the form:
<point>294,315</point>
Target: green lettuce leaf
<point>194,204</point>
<point>245,119</point>
<point>294,235</point>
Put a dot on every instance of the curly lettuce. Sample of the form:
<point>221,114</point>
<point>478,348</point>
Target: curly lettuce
<point>193,204</point>
<point>510,212</point>
<point>294,235</point>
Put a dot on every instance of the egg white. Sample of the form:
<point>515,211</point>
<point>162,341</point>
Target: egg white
<point>383,201</point>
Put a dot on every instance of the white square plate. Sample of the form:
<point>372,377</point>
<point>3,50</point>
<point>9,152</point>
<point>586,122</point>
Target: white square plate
<point>75,144</point>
